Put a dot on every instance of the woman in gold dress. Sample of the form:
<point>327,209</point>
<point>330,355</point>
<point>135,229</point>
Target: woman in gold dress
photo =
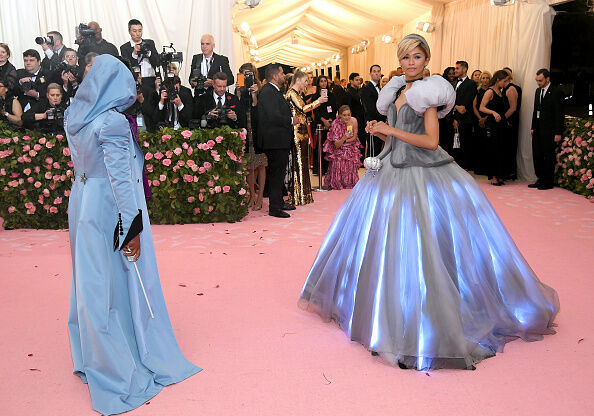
<point>300,187</point>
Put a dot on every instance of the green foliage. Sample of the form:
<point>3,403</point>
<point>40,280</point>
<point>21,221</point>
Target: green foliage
<point>196,177</point>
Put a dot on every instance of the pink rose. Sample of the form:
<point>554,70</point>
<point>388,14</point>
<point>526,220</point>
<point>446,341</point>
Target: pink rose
<point>216,178</point>
<point>167,162</point>
<point>186,134</point>
<point>213,153</point>
<point>148,156</point>
<point>165,137</point>
<point>217,158</point>
<point>11,209</point>
<point>185,145</point>
<point>207,165</point>
<point>188,178</point>
<point>37,184</point>
<point>146,144</point>
<point>32,153</point>
<point>217,189</point>
<point>66,151</point>
<point>211,191</point>
<point>194,168</point>
<point>26,148</point>
<point>219,139</point>
<point>175,168</point>
<point>196,210</point>
<point>23,192</point>
<point>210,183</point>
<point>158,155</point>
<point>178,151</point>
<point>15,139</point>
<point>42,140</point>
<point>201,170</point>
<point>176,180</point>
<point>190,151</point>
<point>226,189</point>
<point>53,210</point>
<point>196,179</point>
<point>46,192</point>
<point>27,171</point>
<point>30,179</point>
<point>20,159</point>
<point>62,178</point>
<point>570,172</point>
<point>29,205</point>
<point>162,178</point>
<point>56,165</point>
<point>156,183</point>
<point>242,135</point>
<point>190,163</point>
<point>59,137</point>
<point>67,193</point>
<point>168,153</point>
<point>40,200</point>
<point>210,144</point>
<point>37,147</point>
<point>28,159</point>
<point>149,168</point>
<point>210,208</point>
<point>231,155</point>
<point>70,164</point>
<point>242,191</point>
<point>48,175</point>
<point>191,199</point>
<point>57,201</point>
<point>201,197</point>
<point>180,163</point>
<point>31,211</point>
<point>49,145</point>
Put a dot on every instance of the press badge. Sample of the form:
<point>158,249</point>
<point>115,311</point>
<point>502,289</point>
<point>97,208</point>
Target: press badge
<point>329,109</point>
<point>537,113</point>
<point>140,120</point>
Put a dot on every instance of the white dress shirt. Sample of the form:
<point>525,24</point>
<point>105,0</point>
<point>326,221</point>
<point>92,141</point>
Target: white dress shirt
<point>205,66</point>
<point>146,69</point>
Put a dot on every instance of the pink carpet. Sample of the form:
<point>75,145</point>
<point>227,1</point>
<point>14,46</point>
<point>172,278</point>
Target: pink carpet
<point>232,293</point>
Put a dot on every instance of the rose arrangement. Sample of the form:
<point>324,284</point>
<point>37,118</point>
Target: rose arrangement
<point>195,176</point>
<point>575,157</point>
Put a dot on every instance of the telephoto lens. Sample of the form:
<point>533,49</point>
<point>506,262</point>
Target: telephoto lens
<point>43,39</point>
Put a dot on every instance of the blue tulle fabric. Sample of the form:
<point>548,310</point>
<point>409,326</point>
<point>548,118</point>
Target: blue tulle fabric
<point>418,267</point>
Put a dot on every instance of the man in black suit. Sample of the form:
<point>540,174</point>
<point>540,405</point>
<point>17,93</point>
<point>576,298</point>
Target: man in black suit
<point>465,93</point>
<point>548,124</point>
<point>275,135</point>
<point>207,64</point>
<point>175,112</point>
<point>32,80</point>
<point>369,95</point>
<point>54,54</point>
<point>352,98</point>
<point>141,53</point>
<point>97,45</point>
<point>217,100</point>
<point>338,92</point>
<point>72,77</point>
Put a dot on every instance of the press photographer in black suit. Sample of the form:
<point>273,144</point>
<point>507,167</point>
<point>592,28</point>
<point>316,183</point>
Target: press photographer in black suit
<point>48,113</point>
<point>95,44</point>
<point>548,125</point>
<point>32,79</point>
<point>71,74</point>
<point>54,53</point>
<point>206,64</point>
<point>141,52</point>
<point>275,135</point>
<point>175,112</point>
<point>217,106</point>
<point>369,94</point>
<point>465,93</point>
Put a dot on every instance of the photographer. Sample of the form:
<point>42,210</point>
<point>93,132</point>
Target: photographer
<point>70,74</point>
<point>54,51</point>
<point>47,114</point>
<point>32,80</point>
<point>141,52</point>
<point>175,104</point>
<point>217,106</point>
<point>90,39</point>
<point>206,64</point>
<point>10,108</point>
<point>145,107</point>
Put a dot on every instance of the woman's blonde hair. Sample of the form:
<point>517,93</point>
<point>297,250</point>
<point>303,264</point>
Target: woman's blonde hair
<point>54,86</point>
<point>299,74</point>
<point>409,42</point>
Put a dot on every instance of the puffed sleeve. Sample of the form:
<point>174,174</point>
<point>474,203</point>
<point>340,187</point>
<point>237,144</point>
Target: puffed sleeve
<point>431,92</point>
<point>387,95</point>
<point>114,140</point>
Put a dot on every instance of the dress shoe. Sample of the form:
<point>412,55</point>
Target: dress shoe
<point>288,207</point>
<point>534,185</point>
<point>278,214</point>
<point>544,187</point>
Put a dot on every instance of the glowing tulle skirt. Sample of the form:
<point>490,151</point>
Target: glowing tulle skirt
<point>418,267</point>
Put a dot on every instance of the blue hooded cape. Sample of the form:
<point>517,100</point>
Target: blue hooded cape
<point>124,355</point>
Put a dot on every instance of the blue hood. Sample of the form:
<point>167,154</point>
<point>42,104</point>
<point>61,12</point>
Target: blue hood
<point>109,84</point>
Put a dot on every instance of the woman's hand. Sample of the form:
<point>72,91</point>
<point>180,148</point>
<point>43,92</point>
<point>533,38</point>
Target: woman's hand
<point>132,249</point>
<point>497,117</point>
<point>379,127</point>
<point>370,124</point>
<point>323,99</point>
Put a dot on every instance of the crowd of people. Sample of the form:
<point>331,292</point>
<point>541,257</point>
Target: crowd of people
<point>481,132</point>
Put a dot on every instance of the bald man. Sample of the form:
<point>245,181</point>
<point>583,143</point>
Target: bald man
<point>97,45</point>
<point>209,63</point>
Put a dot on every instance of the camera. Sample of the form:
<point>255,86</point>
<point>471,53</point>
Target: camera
<point>249,79</point>
<point>144,50</point>
<point>220,118</point>
<point>86,33</point>
<point>137,77</point>
<point>169,86</point>
<point>48,40</point>
<point>200,79</point>
<point>56,113</point>
<point>28,85</point>
<point>63,66</point>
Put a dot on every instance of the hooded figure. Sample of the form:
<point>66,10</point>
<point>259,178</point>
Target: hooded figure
<point>124,355</point>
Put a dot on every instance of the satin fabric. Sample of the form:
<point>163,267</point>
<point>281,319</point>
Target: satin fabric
<point>124,355</point>
<point>344,160</point>
<point>418,267</point>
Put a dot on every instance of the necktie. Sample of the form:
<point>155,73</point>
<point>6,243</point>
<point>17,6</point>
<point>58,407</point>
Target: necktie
<point>542,94</point>
<point>207,65</point>
<point>219,102</point>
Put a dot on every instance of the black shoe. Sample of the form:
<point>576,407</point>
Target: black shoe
<point>534,185</point>
<point>544,187</point>
<point>278,214</point>
<point>374,354</point>
<point>288,207</point>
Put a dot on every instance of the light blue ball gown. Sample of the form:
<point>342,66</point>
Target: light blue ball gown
<point>124,355</point>
<point>417,266</point>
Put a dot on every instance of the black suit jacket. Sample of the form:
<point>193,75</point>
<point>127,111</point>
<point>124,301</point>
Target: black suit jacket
<point>552,115</point>
<point>206,103</point>
<point>183,116</point>
<point>465,96</point>
<point>275,130</point>
<point>49,65</point>
<point>103,47</point>
<point>40,85</point>
<point>352,98</point>
<point>126,52</point>
<point>220,63</point>
<point>369,98</point>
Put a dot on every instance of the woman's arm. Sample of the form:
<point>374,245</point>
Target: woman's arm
<point>488,96</point>
<point>17,113</point>
<point>512,99</point>
<point>474,109</point>
<point>429,140</point>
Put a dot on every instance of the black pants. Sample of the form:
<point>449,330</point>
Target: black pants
<point>543,155</point>
<point>277,166</point>
<point>463,155</point>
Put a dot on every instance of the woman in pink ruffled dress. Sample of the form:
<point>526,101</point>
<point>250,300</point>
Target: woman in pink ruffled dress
<point>342,151</point>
